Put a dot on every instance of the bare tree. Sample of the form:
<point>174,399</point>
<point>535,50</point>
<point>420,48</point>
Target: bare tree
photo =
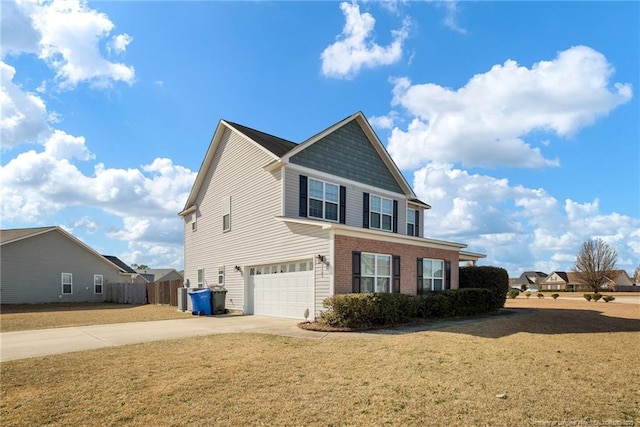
<point>596,263</point>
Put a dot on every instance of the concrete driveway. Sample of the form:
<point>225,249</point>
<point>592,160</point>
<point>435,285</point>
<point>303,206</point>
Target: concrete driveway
<point>23,344</point>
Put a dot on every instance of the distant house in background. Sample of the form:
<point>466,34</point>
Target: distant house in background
<point>47,264</point>
<point>532,279</point>
<point>159,274</point>
<point>572,282</point>
<point>129,273</point>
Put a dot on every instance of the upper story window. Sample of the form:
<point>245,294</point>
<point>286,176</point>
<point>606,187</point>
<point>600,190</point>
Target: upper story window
<point>381,213</point>
<point>411,222</point>
<point>324,199</point>
<point>226,214</point>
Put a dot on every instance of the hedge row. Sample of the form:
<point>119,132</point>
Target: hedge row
<point>494,278</point>
<point>382,309</point>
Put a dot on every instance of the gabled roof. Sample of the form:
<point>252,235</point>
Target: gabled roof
<point>282,150</point>
<point>14,235</point>
<point>123,267</point>
<point>375,142</point>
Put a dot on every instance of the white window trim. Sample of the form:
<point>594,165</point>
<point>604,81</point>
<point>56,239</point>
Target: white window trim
<point>200,282</point>
<point>95,276</point>
<point>323,200</point>
<point>62,283</point>
<point>226,211</point>
<point>371,211</point>
<point>411,220</point>
<point>376,275</point>
<point>432,278</point>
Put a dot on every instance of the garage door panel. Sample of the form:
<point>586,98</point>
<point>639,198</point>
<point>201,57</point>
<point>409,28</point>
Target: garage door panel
<point>283,294</point>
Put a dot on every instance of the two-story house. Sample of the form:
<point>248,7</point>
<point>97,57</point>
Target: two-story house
<point>282,226</point>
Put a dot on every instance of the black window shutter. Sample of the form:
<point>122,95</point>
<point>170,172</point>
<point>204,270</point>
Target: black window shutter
<point>417,223</point>
<point>343,204</point>
<point>419,275</point>
<point>355,268</point>
<point>395,216</point>
<point>447,274</point>
<point>303,195</point>
<point>396,274</point>
<point>365,210</point>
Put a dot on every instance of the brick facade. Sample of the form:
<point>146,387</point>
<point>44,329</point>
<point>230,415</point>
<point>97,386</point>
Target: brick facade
<point>345,245</point>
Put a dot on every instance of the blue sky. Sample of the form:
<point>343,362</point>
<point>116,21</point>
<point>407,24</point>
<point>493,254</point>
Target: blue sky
<point>516,121</point>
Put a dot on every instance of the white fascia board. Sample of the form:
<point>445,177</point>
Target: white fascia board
<point>470,256</point>
<point>189,210</point>
<point>367,233</point>
<point>344,181</point>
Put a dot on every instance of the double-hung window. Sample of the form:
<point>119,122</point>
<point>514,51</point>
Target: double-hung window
<point>432,275</point>
<point>226,214</point>
<point>324,199</point>
<point>97,283</point>
<point>411,222</point>
<point>67,283</point>
<point>200,277</point>
<point>381,213</point>
<point>376,273</point>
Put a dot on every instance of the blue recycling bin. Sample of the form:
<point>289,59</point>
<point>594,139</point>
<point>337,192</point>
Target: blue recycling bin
<point>201,301</point>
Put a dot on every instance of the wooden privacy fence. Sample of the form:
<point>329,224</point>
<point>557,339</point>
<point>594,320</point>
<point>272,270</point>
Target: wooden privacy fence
<point>162,293</point>
<point>126,293</point>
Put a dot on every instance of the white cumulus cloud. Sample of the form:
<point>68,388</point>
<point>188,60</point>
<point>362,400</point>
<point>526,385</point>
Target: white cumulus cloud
<point>355,47</point>
<point>485,122</point>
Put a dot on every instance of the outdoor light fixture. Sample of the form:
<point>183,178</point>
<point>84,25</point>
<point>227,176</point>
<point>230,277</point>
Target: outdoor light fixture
<point>237,268</point>
<point>321,258</point>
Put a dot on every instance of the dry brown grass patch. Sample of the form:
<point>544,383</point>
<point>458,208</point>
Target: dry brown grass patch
<point>24,317</point>
<point>566,368</point>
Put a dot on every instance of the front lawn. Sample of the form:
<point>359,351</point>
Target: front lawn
<point>551,361</point>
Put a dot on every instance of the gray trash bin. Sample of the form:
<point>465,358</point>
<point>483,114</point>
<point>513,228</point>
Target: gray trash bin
<point>218,296</point>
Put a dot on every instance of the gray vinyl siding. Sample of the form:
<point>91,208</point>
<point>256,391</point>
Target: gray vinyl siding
<point>256,236</point>
<point>348,153</point>
<point>32,271</point>
<point>354,200</point>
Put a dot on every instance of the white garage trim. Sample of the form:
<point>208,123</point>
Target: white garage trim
<point>282,290</point>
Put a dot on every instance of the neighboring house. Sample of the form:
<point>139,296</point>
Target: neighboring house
<point>47,264</point>
<point>128,273</point>
<point>159,274</point>
<point>532,279</point>
<point>572,281</point>
<point>283,226</point>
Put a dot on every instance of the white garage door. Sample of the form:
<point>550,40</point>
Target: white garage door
<point>283,290</point>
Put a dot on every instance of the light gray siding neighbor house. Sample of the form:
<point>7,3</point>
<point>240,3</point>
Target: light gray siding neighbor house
<point>282,226</point>
<point>47,264</point>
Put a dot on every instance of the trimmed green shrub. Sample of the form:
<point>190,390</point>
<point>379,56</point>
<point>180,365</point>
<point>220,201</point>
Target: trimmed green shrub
<point>608,298</point>
<point>588,296</point>
<point>382,309</point>
<point>596,296</point>
<point>540,295</point>
<point>494,278</point>
<point>555,296</point>
<point>513,294</point>
<point>528,294</point>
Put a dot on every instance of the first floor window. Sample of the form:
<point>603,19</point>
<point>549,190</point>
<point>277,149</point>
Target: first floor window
<point>432,275</point>
<point>97,283</point>
<point>375,273</point>
<point>200,276</point>
<point>67,283</point>
<point>221,275</point>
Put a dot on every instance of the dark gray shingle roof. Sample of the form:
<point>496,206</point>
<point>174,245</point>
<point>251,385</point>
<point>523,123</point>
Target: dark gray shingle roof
<point>124,267</point>
<point>276,145</point>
